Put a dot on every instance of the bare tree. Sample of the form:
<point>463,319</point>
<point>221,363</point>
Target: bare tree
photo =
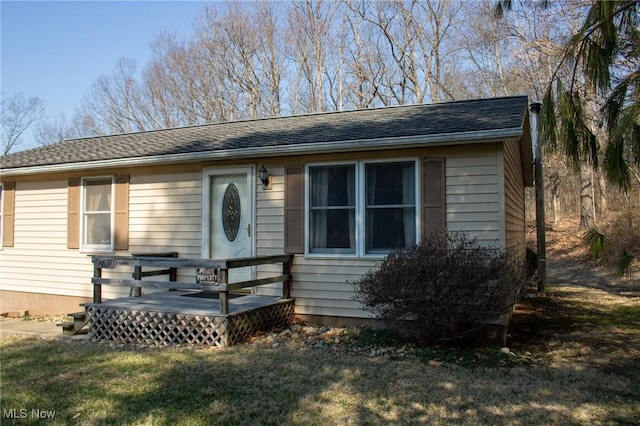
<point>163,92</point>
<point>271,56</point>
<point>519,53</point>
<point>365,64</point>
<point>230,69</point>
<point>418,37</point>
<point>19,113</point>
<point>56,130</point>
<point>310,25</point>
<point>486,45</point>
<point>114,101</point>
<point>208,96</point>
<point>516,53</point>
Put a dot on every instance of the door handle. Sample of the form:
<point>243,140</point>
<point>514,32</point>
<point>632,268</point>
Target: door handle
<point>249,230</point>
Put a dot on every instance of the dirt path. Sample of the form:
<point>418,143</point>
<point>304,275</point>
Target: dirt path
<point>568,262</point>
<point>586,315</point>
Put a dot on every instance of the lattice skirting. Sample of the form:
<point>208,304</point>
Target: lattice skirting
<point>166,328</point>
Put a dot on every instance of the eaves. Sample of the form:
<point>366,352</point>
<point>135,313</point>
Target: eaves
<point>357,145</point>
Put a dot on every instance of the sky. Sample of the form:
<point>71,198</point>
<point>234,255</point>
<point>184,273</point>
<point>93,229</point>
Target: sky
<point>55,50</point>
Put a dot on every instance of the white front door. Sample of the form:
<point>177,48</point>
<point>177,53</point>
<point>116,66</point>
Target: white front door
<point>230,217</point>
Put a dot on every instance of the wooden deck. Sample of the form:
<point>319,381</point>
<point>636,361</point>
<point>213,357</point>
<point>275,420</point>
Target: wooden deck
<point>180,315</point>
<point>175,318</point>
<point>188,302</point>
<point>211,274</point>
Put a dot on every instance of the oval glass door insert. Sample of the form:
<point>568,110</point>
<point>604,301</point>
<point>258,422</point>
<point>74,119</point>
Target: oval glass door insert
<point>231,211</point>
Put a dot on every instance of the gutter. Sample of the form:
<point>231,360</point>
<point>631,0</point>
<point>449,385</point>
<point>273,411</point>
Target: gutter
<point>279,151</point>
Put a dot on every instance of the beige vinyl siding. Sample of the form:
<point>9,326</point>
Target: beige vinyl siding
<point>474,196</point>
<point>269,228</point>
<point>322,285</point>
<point>40,262</point>
<point>269,225</point>
<point>514,198</point>
<point>164,215</point>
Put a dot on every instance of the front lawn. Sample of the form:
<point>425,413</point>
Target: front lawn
<point>580,366</point>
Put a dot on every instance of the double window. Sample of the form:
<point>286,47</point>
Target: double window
<point>97,214</point>
<point>362,208</point>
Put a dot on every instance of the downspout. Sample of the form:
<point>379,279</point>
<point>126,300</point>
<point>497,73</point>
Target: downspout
<point>539,185</point>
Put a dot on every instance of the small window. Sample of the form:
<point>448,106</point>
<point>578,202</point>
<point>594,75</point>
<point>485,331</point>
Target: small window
<point>97,214</point>
<point>332,209</point>
<point>390,206</point>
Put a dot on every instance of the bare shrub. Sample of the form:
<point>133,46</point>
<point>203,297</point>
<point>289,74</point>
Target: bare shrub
<point>617,243</point>
<point>446,288</point>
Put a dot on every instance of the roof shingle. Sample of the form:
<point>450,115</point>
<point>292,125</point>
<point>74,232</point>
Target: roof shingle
<point>370,124</point>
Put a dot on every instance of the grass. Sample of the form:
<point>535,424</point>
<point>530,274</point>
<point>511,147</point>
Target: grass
<point>575,360</point>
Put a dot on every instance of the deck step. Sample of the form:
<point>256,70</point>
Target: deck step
<point>67,328</point>
<point>78,315</point>
<point>77,326</point>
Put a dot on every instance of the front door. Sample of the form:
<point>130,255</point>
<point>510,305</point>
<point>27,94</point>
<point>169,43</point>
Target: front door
<point>230,218</point>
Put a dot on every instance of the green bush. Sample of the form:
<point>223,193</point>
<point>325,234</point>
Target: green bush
<point>446,288</point>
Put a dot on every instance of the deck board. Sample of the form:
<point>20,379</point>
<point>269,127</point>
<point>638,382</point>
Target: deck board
<point>176,302</point>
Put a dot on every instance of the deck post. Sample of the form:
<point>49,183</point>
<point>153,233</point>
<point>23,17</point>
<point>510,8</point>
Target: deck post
<point>286,283</point>
<point>224,295</point>
<point>137,275</point>
<point>97,288</point>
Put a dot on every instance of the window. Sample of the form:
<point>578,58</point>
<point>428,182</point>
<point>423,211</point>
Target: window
<point>390,217</point>
<point>362,208</point>
<point>332,209</point>
<point>97,214</point>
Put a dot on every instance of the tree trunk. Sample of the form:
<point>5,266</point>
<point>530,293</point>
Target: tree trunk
<point>602,185</point>
<point>587,205</point>
<point>555,204</point>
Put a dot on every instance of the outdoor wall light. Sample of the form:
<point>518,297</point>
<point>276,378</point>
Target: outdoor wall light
<point>263,174</point>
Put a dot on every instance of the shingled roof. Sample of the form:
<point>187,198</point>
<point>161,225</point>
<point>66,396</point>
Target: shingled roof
<point>450,122</point>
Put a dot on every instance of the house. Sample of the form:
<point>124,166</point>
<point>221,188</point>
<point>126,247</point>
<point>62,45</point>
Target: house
<point>340,190</point>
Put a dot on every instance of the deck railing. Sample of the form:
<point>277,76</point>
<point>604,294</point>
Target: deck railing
<point>211,274</point>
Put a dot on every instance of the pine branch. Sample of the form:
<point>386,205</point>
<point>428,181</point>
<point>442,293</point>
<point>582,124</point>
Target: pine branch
<point>587,32</point>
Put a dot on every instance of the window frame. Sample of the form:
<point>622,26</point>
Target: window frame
<point>416,204</point>
<point>360,206</point>
<point>307,211</point>
<point>97,248</point>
